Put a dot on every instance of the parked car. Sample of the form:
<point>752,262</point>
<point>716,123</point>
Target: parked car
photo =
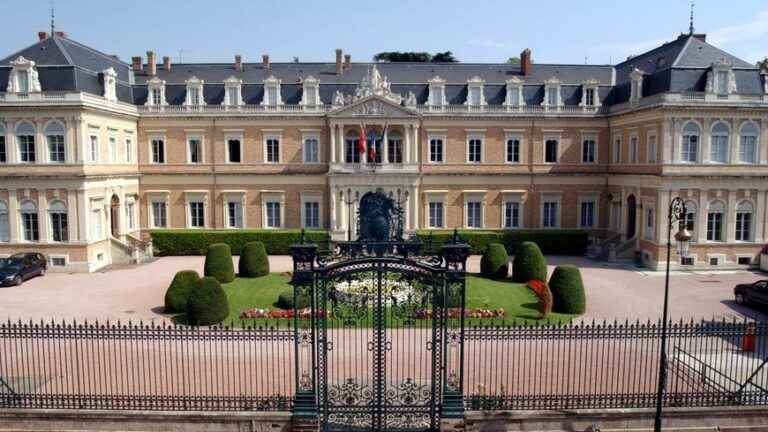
<point>22,266</point>
<point>754,293</point>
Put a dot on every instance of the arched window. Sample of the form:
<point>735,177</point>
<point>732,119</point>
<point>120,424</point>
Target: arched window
<point>54,135</point>
<point>59,221</point>
<point>29,223</point>
<point>3,148</point>
<point>689,219</point>
<point>351,151</point>
<point>689,150</point>
<point>719,143</point>
<point>715,221</point>
<point>25,136</point>
<point>744,221</point>
<point>5,230</point>
<point>748,138</point>
<point>395,148</point>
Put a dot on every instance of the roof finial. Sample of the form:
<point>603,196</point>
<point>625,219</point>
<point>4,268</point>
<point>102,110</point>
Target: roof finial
<point>53,19</point>
<point>690,26</point>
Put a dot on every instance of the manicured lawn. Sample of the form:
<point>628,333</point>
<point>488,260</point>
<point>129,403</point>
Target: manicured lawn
<point>516,299</point>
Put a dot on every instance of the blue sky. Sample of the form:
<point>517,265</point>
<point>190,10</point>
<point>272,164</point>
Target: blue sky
<point>475,30</point>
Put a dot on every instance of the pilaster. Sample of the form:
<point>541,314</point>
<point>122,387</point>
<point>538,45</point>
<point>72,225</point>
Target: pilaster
<point>41,146</point>
<point>333,144</point>
<point>13,215</point>
<point>701,216</point>
<point>407,144</point>
<point>730,219</point>
<point>706,140</point>
<point>42,214</point>
<point>668,140</point>
<point>83,213</point>
<point>11,145</point>
<point>759,228</point>
<point>73,215</point>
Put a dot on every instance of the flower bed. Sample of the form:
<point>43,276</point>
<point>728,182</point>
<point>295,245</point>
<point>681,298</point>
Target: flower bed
<point>420,314</point>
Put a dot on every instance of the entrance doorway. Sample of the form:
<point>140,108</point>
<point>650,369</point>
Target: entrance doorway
<point>631,216</point>
<point>114,213</point>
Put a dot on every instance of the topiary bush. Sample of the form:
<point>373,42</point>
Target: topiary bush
<point>178,293</point>
<point>207,303</point>
<point>218,263</point>
<point>253,260</point>
<point>285,300</point>
<point>568,290</point>
<point>495,262</point>
<point>529,263</point>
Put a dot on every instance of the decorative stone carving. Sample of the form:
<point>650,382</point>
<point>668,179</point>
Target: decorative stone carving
<point>373,107</point>
<point>195,83</point>
<point>374,83</point>
<point>310,92</point>
<point>514,89</point>
<point>475,83</point>
<point>110,84</point>
<point>272,85</point>
<point>714,74</point>
<point>15,81</point>
<point>595,86</point>
<point>156,84</point>
<point>233,86</point>
<point>436,92</point>
<point>410,100</point>
<point>338,99</point>
<point>636,86</point>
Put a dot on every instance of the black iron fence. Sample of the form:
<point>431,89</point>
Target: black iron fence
<point>150,367</point>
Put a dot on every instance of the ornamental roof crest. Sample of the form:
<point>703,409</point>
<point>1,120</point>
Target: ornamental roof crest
<point>373,83</point>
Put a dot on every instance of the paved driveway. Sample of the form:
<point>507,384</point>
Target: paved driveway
<point>613,291</point>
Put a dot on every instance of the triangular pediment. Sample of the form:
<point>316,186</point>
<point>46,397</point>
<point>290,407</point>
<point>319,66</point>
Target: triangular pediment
<point>373,106</point>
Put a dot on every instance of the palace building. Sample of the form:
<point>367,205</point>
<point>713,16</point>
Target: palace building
<point>95,152</point>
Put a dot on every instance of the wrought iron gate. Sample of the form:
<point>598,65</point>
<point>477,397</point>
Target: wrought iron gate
<point>379,346</point>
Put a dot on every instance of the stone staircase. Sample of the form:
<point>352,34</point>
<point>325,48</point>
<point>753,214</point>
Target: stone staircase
<point>129,250</point>
<point>612,248</point>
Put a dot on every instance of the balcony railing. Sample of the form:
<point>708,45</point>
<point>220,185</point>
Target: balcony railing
<point>240,109</point>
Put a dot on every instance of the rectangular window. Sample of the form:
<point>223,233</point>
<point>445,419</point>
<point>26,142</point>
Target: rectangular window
<point>722,83</point>
<point>633,149</point>
<point>195,150</point>
<point>437,95</point>
<point>130,215</point>
<point>395,150</point>
<point>475,150</point>
<point>474,95</point>
<point>590,97</point>
<point>588,150</point>
<point>552,96</point>
<point>652,149</point>
<point>514,97</point>
<point>549,216</point>
<point>3,150</point>
<point>550,151</point>
<point>474,214</point>
<point>513,150</point>
<point>233,150</point>
<point>159,214</point>
<point>158,151</point>
<point>234,214</point>
<point>715,226</point>
<point>23,77</point>
<point>311,147</point>
<point>743,226</point>
<point>128,150</point>
<point>233,96</point>
<point>5,229</point>
<point>312,214</point>
<point>194,96</point>
<point>587,214</point>
<point>273,150</point>
<point>93,150</point>
<point>436,150</point>
<point>690,148</point>
<point>747,149</point>
<point>272,96</point>
<point>616,151</point>
<point>719,151</point>
<point>435,214</point>
<point>27,148</point>
<point>56,148</point>
<point>112,149</point>
<point>511,214</point>
<point>351,153</point>
<point>59,227</point>
<point>97,230</point>
<point>273,214</point>
<point>30,227</point>
<point>157,98</point>
<point>196,214</point>
<point>58,261</point>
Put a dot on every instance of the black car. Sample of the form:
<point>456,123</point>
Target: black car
<point>21,266</point>
<point>754,293</point>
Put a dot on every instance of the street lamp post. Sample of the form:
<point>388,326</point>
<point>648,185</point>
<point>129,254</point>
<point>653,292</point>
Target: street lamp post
<point>682,236</point>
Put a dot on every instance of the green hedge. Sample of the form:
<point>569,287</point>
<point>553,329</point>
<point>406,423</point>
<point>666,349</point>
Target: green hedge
<point>551,242</point>
<point>568,290</point>
<point>170,242</point>
<point>178,293</point>
<point>529,264</point>
<point>218,263</point>
<point>207,303</point>
<point>253,261</point>
<point>495,262</point>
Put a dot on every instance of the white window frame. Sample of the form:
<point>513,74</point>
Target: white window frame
<point>165,201</point>
<point>233,85</point>
<point>5,222</point>
<point>201,151</point>
<point>756,136</point>
<point>26,129</point>
<point>720,134</point>
<point>651,156</point>
<point>549,136</point>
<point>237,198</point>
<point>634,148</point>
<point>738,211</point>
<point>272,85</point>
<point>130,214</point>
<point>514,87</point>
<point>272,135</point>
<point>591,197</point>
<point>159,85</point>
<point>35,211</point>
<point>306,136</point>
<point>512,198</point>
<point>476,135</point>
<point>195,197</point>
<point>636,85</point>
<point>436,91</point>
<point>229,136</point>
<point>649,225</point>
<point>723,221</point>
<point>269,197</point>
<point>549,197</point>
<point>152,152</point>
<point>616,144</point>
<point>552,85</point>
<point>475,84</point>
<point>509,136</point>
<point>129,148</point>
<point>589,136</point>
<point>443,139</point>
<point>435,197</point>
<point>113,147</point>
<point>94,153</point>
<point>61,208</point>
<point>310,86</point>
<point>593,86</point>
<point>194,83</point>
<point>474,197</point>
<point>22,65</point>
<point>310,197</point>
<point>685,135</point>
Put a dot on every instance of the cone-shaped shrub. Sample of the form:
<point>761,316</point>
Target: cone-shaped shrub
<point>495,262</point>
<point>529,263</point>
<point>178,293</point>
<point>568,290</point>
<point>218,263</point>
<point>253,260</point>
<point>285,300</point>
<point>207,303</point>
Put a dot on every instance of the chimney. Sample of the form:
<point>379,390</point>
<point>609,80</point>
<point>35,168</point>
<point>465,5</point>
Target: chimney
<point>525,61</point>
<point>60,34</point>
<point>151,63</point>
<point>238,62</point>
<point>265,62</point>
<point>42,36</point>
<point>136,64</point>
<point>347,61</point>
<point>339,65</point>
<point>167,63</point>
<point>700,36</point>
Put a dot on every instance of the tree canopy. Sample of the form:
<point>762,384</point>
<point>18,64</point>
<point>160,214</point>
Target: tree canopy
<point>415,57</point>
<point>513,60</point>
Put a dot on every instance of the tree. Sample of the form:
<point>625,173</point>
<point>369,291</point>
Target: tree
<point>513,60</point>
<point>414,57</point>
<point>444,57</point>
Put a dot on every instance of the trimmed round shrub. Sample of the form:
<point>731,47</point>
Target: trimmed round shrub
<point>568,290</point>
<point>495,262</point>
<point>218,263</point>
<point>178,293</point>
<point>207,303</point>
<point>529,263</point>
<point>253,260</point>
<point>285,300</point>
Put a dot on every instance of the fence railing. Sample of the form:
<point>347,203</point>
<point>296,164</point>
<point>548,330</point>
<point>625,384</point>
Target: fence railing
<point>615,365</point>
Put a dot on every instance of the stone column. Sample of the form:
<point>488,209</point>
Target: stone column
<point>407,144</point>
<point>733,142</point>
<point>385,147</point>
<point>762,152</point>
<point>701,216</point>
<point>414,208</point>
<point>73,215</point>
<point>332,134</point>
<point>11,145</point>
<point>706,140</point>
<point>13,216</point>
<point>415,146</point>
<point>70,134</point>
<point>730,217</point>
<point>83,211</point>
<point>41,147</point>
<point>42,215</point>
<point>667,141</point>
<point>759,219</point>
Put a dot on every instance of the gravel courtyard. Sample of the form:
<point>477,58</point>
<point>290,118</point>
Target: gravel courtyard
<point>613,291</point>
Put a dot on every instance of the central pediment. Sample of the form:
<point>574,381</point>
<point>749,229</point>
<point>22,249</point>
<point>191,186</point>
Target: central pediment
<point>373,106</point>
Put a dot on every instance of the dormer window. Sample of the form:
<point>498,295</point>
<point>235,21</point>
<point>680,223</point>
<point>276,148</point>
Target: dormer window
<point>721,79</point>
<point>514,92</point>
<point>475,96</point>
<point>436,92</point>
<point>272,92</point>
<point>636,85</point>
<point>552,97</point>
<point>156,89</point>
<point>233,92</point>
<point>194,92</point>
<point>590,96</point>
<point>310,93</point>
<point>110,84</point>
<point>23,78</point>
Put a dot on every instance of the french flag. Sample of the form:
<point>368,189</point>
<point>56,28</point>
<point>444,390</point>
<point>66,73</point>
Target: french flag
<point>361,141</point>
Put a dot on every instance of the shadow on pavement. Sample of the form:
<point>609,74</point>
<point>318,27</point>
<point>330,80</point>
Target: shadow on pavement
<point>747,311</point>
